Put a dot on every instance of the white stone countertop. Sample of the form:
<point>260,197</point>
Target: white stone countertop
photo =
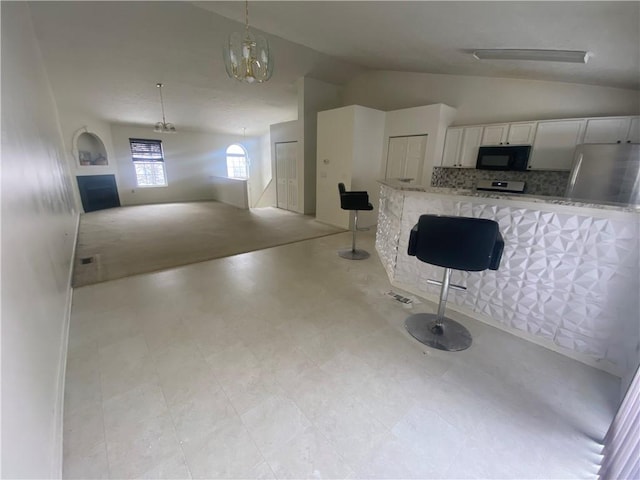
<point>409,186</point>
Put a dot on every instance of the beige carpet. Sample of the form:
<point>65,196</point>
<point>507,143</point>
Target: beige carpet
<point>125,241</point>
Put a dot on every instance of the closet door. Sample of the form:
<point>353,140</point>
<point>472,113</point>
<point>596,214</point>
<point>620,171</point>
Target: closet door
<point>405,157</point>
<point>396,157</point>
<point>292,177</point>
<point>286,175</point>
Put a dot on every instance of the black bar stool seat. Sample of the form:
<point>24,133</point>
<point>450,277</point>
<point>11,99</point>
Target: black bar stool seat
<point>461,243</point>
<point>354,201</point>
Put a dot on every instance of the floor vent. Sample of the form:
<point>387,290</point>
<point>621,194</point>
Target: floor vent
<point>399,298</point>
<point>86,260</point>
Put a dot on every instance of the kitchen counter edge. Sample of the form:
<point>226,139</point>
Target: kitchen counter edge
<point>466,192</point>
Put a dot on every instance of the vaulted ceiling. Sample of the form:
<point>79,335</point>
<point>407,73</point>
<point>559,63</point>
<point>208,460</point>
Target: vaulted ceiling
<point>104,58</point>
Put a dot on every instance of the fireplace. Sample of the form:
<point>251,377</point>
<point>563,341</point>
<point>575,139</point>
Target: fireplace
<point>98,192</point>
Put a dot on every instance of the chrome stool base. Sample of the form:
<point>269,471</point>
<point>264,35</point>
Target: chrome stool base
<point>449,335</point>
<point>351,254</point>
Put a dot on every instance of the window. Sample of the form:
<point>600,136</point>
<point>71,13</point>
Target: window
<point>148,161</point>
<point>237,162</point>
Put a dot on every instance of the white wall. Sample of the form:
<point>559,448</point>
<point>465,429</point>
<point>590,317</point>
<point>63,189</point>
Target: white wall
<point>259,168</point>
<point>38,231</point>
<point>367,159</point>
<point>431,120</point>
<point>313,96</point>
<point>232,191</point>
<point>191,160</point>
<point>350,152</point>
<point>264,177</point>
<point>487,100</point>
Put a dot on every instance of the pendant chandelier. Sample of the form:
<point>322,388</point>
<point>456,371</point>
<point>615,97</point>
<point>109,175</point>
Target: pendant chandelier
<point>247,57</point>
<point>163,126</point>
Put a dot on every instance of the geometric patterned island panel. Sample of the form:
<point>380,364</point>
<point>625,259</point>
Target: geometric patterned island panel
<point>569,278</point>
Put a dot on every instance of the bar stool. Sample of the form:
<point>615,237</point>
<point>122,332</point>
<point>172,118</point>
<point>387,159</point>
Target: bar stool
<point>461,243</point>
<point>354,201</point>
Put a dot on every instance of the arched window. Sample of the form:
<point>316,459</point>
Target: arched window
<point>237,162</point>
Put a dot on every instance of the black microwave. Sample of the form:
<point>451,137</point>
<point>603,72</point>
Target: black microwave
<point>503,157</point>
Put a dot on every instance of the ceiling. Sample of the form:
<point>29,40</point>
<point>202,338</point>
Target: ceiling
<point>104,58</point>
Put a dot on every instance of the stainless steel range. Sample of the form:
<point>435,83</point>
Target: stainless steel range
<point>501,186</point>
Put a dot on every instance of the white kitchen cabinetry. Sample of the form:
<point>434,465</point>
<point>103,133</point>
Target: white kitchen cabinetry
<point>555,143</point>
<point>607,130</point>
<point>452,144</point>
<point>612,130</point>
<point>471,139</point>
<point>521,133</point>
<point>509,134</point>
<point>349,150</point>
<point>461,147</point>
<point>495,134</point>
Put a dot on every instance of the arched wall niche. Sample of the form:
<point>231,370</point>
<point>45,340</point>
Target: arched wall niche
<point>88,149</point>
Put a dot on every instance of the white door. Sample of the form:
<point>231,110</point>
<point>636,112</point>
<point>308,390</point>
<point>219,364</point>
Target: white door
<point>286,175</point>
<point>396,157</point>
<point>405,157</point>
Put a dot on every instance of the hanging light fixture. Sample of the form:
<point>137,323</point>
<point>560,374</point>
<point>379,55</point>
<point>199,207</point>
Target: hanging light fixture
<point>163,126</point>
<point>247,57</point>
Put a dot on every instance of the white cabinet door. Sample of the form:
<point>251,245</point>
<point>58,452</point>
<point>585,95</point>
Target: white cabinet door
<point>521,133</point>
<point>607,130</point>
<point>634,131</point>
<point>471,139</point>
<point>495,134</point>
<point>554,144</point>
<point>452,144</point>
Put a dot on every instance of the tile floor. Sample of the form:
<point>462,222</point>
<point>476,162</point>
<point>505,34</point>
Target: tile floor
<point>291,362</point>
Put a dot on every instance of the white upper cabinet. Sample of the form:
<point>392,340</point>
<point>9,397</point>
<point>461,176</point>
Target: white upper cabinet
<point>495,134</point>
<point>612,130</point>
<point>509,134</point>
<point>461,147</point>
<point>521,133</point>
<point>471,138</point>
<point>452,144</point>
<point>555,143</point>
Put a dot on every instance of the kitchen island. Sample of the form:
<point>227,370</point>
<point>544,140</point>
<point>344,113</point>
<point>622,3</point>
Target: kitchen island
<point>569,277</point>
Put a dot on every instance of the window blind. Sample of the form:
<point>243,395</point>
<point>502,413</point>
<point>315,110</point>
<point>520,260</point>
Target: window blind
<point>146,150</point>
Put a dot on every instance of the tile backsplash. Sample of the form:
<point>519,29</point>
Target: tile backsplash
<point>538,182</point>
